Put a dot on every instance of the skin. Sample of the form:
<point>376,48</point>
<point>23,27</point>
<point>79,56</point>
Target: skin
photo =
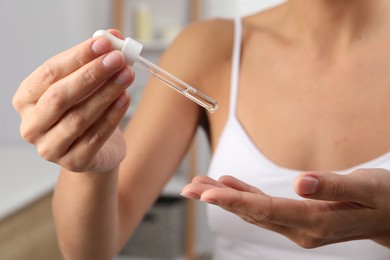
<point>71,107</point>
<point>333,212</point>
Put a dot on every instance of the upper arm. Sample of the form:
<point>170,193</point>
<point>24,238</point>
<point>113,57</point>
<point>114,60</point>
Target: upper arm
<point>163,125</point>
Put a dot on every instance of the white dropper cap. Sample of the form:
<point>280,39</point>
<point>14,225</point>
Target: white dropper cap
<point>129,47</point>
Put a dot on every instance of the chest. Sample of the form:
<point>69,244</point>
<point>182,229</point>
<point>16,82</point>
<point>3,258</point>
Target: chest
<point>308,114</point>
<point>314,114</point>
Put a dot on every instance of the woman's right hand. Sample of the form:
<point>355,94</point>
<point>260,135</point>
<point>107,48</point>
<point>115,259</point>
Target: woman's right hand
<point>72,104</point>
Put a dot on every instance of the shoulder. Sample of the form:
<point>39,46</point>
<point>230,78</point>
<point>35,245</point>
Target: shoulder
<point>200,48</point>
<point>208,37</point>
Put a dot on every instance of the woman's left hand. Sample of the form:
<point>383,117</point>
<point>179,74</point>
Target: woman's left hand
<point>338,207</point>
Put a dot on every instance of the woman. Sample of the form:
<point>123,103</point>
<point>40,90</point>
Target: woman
<point>301,87</point>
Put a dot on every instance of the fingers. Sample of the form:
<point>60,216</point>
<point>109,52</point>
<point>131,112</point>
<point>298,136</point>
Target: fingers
<point>198,186</point>
<point>239,185</point>
<point>256,208</point>
<point>80,84</point>
<point>72,104</point>
<point>62,82</point>
<point>201,183</point>
<point>359,187</point>
<point>309,223</point>
<point>246,201</point>
<point>86,84</point>
<point>91,141</point>
<point>58,67</point>
<point>83,116</point>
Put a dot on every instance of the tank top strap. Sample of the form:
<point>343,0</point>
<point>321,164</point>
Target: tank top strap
<point>235,70</point>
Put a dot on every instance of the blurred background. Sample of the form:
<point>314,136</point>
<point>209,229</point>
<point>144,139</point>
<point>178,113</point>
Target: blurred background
<point>33,31</point>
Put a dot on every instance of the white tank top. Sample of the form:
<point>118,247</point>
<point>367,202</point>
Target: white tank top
<point>238,156</point>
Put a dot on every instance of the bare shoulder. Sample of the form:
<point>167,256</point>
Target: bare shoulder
<point>199,49</point>
<point>208,38</point>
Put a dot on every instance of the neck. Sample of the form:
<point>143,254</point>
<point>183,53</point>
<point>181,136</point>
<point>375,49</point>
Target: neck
<point>335,22</point>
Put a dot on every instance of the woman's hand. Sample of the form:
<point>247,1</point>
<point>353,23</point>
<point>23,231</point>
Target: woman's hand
<point>72,104</point>
<point>338,207</point>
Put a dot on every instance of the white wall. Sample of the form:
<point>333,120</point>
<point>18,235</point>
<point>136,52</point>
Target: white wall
<point>232,8</point>
<point>32,32</point>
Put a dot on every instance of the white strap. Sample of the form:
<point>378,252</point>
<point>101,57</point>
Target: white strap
<point>235,65</point>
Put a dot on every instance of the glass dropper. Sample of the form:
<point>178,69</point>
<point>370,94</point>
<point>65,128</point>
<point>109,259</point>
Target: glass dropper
<point>132,49</point>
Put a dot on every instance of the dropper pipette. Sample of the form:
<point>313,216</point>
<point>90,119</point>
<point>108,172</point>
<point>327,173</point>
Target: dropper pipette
<point>132,49</point>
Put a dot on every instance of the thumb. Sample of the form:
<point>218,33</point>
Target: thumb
<point>353,187</point>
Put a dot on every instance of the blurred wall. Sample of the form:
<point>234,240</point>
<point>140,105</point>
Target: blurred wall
<point>33,31</point>
<point>232,8</point>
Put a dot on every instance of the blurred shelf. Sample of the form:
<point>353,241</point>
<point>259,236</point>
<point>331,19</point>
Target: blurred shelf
<point>158,46</point>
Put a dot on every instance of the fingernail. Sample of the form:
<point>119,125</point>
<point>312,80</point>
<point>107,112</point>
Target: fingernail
<point>308,185</point>
<point>190,195</point>
<point>101,46</point>
<point>125,76</point>
<point>113,60</point>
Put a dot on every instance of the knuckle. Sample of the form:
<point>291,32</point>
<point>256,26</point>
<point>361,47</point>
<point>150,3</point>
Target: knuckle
<point>248,218</point>
<point>336,190</point>
<point>75,121</point>
<point>232,204</point>
<point>264,214</point>
<point>109,94</point>
<point>56,100</point>
<point>262,217</point>
<point>95,138</point>
<point>17,102</point>
<point>46,152</point>
<point>90,76</point>
<point>258,219</point>
<point>112,120</point>
<point>27,132</point>
<point>49,74</point>
<point>80,58</point>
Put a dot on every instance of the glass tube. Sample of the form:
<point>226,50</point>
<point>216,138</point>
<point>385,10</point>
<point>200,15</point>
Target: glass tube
<point>177,84</point>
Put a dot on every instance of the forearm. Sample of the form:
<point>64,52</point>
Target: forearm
<point>86,215</point>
